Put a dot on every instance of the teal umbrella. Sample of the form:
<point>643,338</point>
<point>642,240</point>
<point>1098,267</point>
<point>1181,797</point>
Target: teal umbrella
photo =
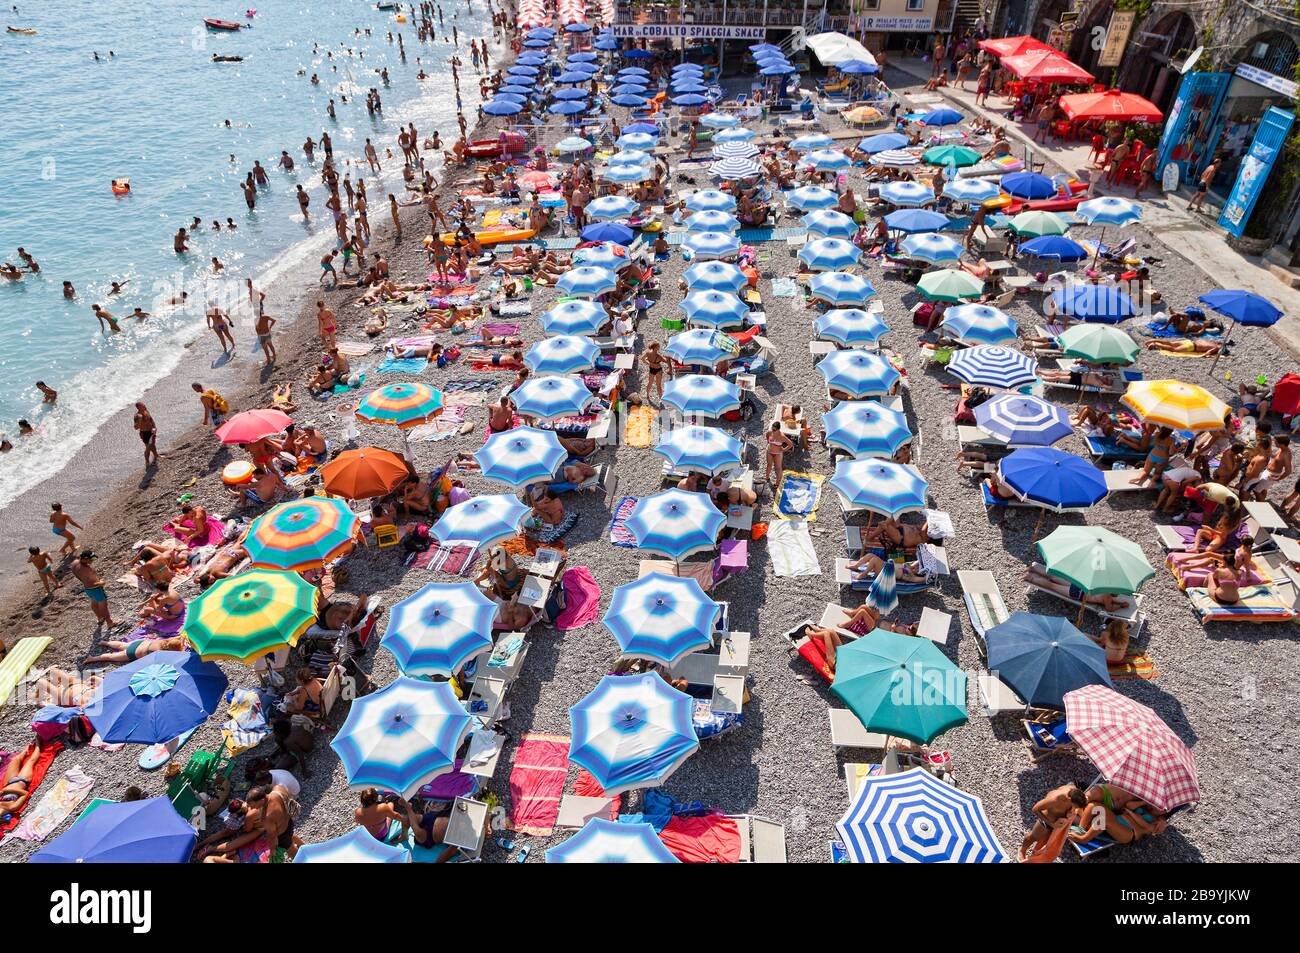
<point>901,685</point>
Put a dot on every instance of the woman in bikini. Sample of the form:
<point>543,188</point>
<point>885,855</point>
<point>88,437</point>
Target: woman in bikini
<point>655,362</point>
<point>120,652</point>
<point>1162,449</point>
<point>16,788</point>
<point>777,445</point>
<point>1123,816</point>
<point>306,698</point>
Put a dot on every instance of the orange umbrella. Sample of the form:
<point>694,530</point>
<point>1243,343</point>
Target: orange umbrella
<point>365,473</point>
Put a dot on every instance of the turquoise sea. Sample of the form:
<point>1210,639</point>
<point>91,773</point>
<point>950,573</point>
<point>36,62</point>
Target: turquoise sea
<point>155,111</point>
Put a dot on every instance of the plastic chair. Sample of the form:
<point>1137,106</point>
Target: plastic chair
<point>386,535</point>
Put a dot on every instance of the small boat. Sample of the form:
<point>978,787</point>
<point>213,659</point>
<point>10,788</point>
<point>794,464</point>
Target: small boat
<point>216,58</point>
<point>221,24</point>
<point>387,5</point>
<point>21,31</point>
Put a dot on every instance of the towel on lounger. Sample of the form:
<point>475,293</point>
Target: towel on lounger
<point>581,599</point>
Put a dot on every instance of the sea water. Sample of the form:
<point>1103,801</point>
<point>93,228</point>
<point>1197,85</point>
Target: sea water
<point>155,112</point>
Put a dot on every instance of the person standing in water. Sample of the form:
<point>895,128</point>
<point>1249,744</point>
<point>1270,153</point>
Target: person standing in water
<point>106,320</point>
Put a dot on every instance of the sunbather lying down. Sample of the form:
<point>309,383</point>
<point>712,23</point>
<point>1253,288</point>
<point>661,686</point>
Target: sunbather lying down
<point>1107,601</point>
<point>867,566</point>
<point>1186,346</point>
<point>122,652</point>
<point>891,532</point>
<point>66,689</point>
<point>1124,816</point>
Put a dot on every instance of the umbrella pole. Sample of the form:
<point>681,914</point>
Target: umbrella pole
<point>1078,620</point>
<point>1037,526</point>
<point>1227,334</point>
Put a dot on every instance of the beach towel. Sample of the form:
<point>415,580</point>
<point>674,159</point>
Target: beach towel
<point>540,766</point>
<point>155,628</point>
<point>784,288</point>
<point>798,495</point>
<point>39,770</point>
<point>1158,329</point>
<point>714,839</point>
<point>618,532</point>
<point>500,329</point>
<point>447,787</point>
<point>54,808</point>
<point>547,533</point>
<point>581,599</point>
<point>468,385</point>
<point>22,656</point>
<point>791,549</point>
<point>402,365</point>
<point>452,560</point>
<point>344,388</point>
<point>587,786</point>
<point>639,429</point>
<point>515,309</point>
<point>429,433</point>
<point>355,348</point>
<point>246,727</point>
<point>1257,604</point>
<point>1134,665</point>
<point>216,533</point>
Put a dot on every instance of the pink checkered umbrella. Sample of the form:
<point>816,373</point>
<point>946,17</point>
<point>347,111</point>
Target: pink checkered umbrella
<point>1132,747</point>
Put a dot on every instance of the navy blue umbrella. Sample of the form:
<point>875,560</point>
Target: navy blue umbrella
<point>637,54</point>
<point>608,232</point>
<point>1043,657</point>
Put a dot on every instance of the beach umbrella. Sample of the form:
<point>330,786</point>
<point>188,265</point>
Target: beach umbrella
<point>734,134</point>
<point>950,284</point>
<point>549,398</point>
<point>1052,479</point>
<point>897,158</point>
<point>577,28</point>
<point>703,394</point>
<point>522,69</point>
<point>440,628</point>
<point>573,95</point>
<point>634,71</point>
<point>1095,560</point>
<point>1036,223</point>
<point>636,53</point>
<point>566,109</point>
<point>883,142</point>
<point>614,232</point>
<point>858,373</point>
<point>914,818</point>
<point>829,223</point>
<point>676,523</point>
<point>882,594</point>
<point>562,354</point>
<point>581,58</point>
<point>718,309</point>
<point>522,455</point>
<point>540,32</point>
<point>155,698</point>
<point>765,48</point>
<point>932,248</point>
<point>857,67</point>
<point>1023,421</point>
<point>1132,747</point>
<point>357,846</point>
<point>603,255</point>
<point>712,222</point>
<point>1111,104</point>
<point>776,68</point>
<point>603,841</point>
<point>971,190</point>
<point>735,150</point>
<point>881,486</point>
<point>364,473</point>
<point>629,89</point>
<point>405,405</point>
<point>715,276</point>
<point>941,117</point>
<point>688,85</point>
<point>612,207</point>
<point>573,76</point>
<point>811,197</point>
<point>661,618</point>
<point>632,157</point>
<point>840,288</point>
<point>516,90</point>
<point>826,254</point>
<point>302,534</point>
<point>720,120</point>
<point>587,282</point>
<point>959,156</point>
<point>605,44</point>
<point>639,141</point>
<point>1176,404</point>
<point>1099,344</point>
<point>850,327</point>
<point>574,317</point>
<point>731,169</point>
<point>1043,657</point>
<point>915,220</point>
<point>863,115</point>
<point>627,174</point>
<point>249,615</point>
<point>827,160</point>
<point>536,44</point>
<point>248,426</point>
<point>900,685</point>
<point>149,831</point>
<point>701,346</point>
<point>812,142</point>
<point>632,731</point>
<point>480,521</point>
<point>705,245</point>
<point>1109,210</point>
<point>1054,246</point>
<point>699,450</point>
<point>571,144</point>
<point>866,428</point>
<point>906,193</point>
<point>1088,302</point>
<point>993,366</point>
<point>403,736</point>
<point>536,181</point>
<point>979,324</point>
<point>502,107</point>
<point>629,100</point>
<point>1243,307</point>
<point>1028,185</point>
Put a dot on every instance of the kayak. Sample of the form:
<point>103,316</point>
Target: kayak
<point>20,30</point>
<point>495,236</point>
<point>221,24</point>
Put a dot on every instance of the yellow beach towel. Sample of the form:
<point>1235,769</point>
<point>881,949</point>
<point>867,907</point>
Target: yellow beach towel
<point>639,430</point>
<point>20,658</point>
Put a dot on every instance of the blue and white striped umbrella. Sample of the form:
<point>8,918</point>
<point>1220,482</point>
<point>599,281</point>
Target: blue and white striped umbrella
<point>701,346</point>
<point>731,169</point>
<point>357,846</point>
<point>710,200</point>
<point>896,158</point>
<point>676,523</point>
<point>704,394</point>
<point>993,366</point>
<point>627,174</point>
<point>830,223</point>
<point>661,618</point>
<point>522,455</point>
<point>812,142</point>
<point>971,190</point>
<point>932,248</point>
<point>826,254</point>
<point>571,144</point>
<point>827,160</point>
<point>914,818</point>
<point>866,428</point>
<point>857,372</point>
<point>643,141</point>
<point>440,628</point>
<point>979,324</point>
<point>712,222</point>
<point>587,282</point>
<point>1109,210</point>
<point>699,450</point>
<point>720,120</point>
<point>906,193</point>
<point>403,736</point>
<point>717,309</point>
<point>734,134</point>
<point>880,486</point>
<point>632,731</point>
<point>850,326</point>
<point>563,354</point>
<point>706,245</point>
<point>548,398</point>
<point>631,157</point>
<point>609,255</point>
<point>811,197</point>
<point>715,276</point>
<point>735,150</point>
<point>1023,421</point>
<point>603,841</point>
<point>882,595</point>
<point>609,207</point>
<point>480,521</point>
<point>841,288</point>
<point>574,317</point>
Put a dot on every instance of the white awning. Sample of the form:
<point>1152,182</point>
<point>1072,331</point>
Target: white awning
<point>834,48</point>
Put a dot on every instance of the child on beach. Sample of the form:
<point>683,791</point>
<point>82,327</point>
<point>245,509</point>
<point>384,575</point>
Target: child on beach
<point>44,568</point>
<point>59,523</point>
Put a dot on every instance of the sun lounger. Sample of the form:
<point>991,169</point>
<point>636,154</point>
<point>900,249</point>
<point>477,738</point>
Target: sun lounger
<point>983,598</point>
<point>1048,738</point>
<point>1257,604</point>
<point>847,731</point>
<point>761,841</point>
<point>1106,448</point>
<point>576,811</point>
<point>1132,614</point>
<point>998,698</point>
<point>467,827</point>
<point>1121,481</point>
<point>1123,377</point>
<point>934,625</point>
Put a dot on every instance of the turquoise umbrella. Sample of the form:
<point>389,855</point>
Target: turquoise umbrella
<point>900,685</point>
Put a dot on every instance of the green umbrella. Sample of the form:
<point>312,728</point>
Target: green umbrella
<point>901,685</point>
<point>951,155</point>
<point>1099,343</point>
<point>250,615</point>
<point>1034,224</point>
<point>949,284</point>
<point>1095,559</point>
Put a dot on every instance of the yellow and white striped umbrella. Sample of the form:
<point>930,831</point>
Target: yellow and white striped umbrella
<point>1175,404</point>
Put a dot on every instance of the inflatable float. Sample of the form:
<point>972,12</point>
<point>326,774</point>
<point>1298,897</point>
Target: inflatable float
<point>121,186</point>
<point>510,143</point>
<point>237,473</point>
<point>493,236</point>
<point>212,24</point>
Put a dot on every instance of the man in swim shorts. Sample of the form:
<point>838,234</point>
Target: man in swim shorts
<point>59,523</point>
<point>93,584</point>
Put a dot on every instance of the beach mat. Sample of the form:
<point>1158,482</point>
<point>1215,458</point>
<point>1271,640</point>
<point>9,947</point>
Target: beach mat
<point>452,560</point>
<point>791,550</point>
<point>581,599</point>
<point>39,770</point>
<point>639,429</point>
<point>402,365</point>
<point>798,495</point>
<point>784,288</point>
<point>1134,665</point>
<point>539,769</point>
<point>618,532</point>
<point>55,806</point>
<point>355,348</point>
<point>22,656</point>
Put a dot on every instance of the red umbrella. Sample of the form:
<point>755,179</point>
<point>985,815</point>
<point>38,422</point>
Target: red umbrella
<point>249,425</point>
<point>1014,45</point>
<point>1111,104</point>
<point>1046,66</point>
<point>1286,395</point>
<point>535,180</point>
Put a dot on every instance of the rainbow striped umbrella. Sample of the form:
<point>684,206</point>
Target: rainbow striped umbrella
<point>408,404</point>
<point>440,628</point>
<point>302,534</point>
<point>250,615</point>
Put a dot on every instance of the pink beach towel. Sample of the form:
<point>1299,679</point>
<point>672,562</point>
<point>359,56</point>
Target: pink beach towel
<point>216,533</point>
<point>581,599</point>
<point>541,764</point>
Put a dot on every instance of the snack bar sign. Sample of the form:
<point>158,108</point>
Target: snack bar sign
<point>664,31</point>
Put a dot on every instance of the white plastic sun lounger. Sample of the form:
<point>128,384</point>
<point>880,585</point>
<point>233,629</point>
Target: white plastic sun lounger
<point>761,841</point>
<point>983,598</point>
<point>847,731</point>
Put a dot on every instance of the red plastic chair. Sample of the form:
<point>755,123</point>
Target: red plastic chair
<point>1097,157</point>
